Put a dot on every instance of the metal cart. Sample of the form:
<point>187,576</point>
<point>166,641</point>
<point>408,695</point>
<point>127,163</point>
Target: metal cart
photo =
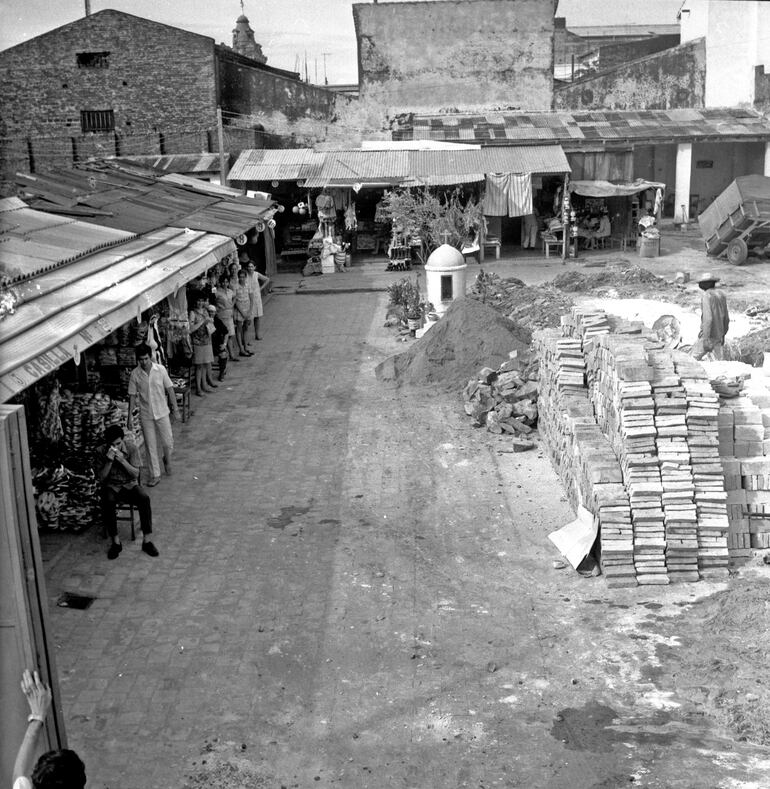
<point>738,221</point>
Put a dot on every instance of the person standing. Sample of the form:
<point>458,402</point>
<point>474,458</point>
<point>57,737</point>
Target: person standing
<point>254,283</point>
<point>117,468</point>
<point>150,386</point>
<point>714,319</point>
<point>242,313</point>
<point>530,227</point>
<point>201,328</point>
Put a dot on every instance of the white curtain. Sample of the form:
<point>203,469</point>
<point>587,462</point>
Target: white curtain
<point>508,194</point>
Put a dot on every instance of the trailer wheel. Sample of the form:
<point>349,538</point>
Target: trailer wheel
<point>737,252</point>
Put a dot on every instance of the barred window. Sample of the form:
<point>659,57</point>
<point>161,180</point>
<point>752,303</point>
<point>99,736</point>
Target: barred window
<point>93,59</point>
<point>97,120</point>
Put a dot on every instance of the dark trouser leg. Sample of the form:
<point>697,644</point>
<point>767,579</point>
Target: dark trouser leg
<point>139,497</point>
<point>109,521</point>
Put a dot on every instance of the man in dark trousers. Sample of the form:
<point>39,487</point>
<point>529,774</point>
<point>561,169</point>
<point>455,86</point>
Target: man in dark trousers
<point>117,469</point>
<point>714,319</point>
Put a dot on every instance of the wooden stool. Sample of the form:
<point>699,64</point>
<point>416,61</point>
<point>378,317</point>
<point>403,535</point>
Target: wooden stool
<point>124,511</point>
<point>183,401</point>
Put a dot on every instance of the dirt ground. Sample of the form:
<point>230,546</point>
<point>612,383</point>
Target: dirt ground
<point>655,687</point>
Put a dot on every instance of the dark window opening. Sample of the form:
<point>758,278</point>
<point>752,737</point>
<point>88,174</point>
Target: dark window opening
<point>93,59</point>
<point>446,288</point>
<point>97,120</point>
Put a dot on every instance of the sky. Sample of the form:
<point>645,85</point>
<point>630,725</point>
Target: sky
<point>290,31</point>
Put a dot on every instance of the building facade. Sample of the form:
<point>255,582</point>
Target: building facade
<point>461,54</point>
<point>737,50</point>
<point>112,84</point>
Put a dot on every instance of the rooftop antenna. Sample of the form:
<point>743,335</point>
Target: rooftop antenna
<point>88,7</point>
<point>326,81</point>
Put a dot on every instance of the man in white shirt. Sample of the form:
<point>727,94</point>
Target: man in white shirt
<point>150,387</point>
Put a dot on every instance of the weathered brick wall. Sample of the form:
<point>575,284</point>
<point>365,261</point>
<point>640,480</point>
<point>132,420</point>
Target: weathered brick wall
<point>158,77</point>
<point>668,80</point>
<point>250,90</point>
<point>463,54</point>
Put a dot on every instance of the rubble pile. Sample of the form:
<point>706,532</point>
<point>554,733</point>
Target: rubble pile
<point>504,400</point>
<point>534,307</point>
<point>469,336</point>
<point>626,281</point>
<point>636,443</point>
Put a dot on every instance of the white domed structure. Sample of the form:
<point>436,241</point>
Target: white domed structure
<point>445,277</point>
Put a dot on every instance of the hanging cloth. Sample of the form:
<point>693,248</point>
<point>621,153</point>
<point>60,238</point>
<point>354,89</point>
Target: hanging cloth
<point>271,263</point>
<point>508,194</point>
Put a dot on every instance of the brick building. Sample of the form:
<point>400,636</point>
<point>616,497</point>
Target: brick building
<point>113,83</point>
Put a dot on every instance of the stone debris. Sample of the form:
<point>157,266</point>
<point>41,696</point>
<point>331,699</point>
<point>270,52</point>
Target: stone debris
<point>535,307</point>
<point>631,427</point>
<point>504,400</point>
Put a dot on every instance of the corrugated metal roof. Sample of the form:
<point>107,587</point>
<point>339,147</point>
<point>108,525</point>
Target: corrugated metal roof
<point>145,205</point>
<point>281,164</point>
<point>65,311</point>
<point>577,129</point>
<point>437,167</point>
<point>32,241</point>
<point>175,163</point>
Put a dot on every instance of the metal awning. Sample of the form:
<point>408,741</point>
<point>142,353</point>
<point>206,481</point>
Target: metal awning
<point>436,167</point>
<point>33,241</point>
<point>65,311</point>
<point>141,205</point>
<point>284,164</point>
<point>609,189</point>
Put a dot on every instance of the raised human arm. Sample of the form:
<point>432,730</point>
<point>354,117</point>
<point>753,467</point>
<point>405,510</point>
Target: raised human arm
<point>38,696</point>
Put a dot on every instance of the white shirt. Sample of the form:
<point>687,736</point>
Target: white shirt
<point>150,391</point>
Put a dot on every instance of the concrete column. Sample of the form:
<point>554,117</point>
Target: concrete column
<point>683,174</point>
<point>767,159</point>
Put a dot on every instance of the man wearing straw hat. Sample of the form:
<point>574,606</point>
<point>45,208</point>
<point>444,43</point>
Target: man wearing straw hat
<point>714,319</point>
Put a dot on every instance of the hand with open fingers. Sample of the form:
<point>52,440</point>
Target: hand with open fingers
<point>38,694</point>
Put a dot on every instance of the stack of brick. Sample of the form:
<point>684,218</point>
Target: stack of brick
<point>708,476</point>
<point>665,517</point>
<point>744,447</point>
<point>585,460</point>
<point>679,508</point>
<point>621,391</point>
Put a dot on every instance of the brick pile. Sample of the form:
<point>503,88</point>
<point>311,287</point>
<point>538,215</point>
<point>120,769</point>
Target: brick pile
<point>744,447</point>
<point>503,400</point>
<point>636,444</point>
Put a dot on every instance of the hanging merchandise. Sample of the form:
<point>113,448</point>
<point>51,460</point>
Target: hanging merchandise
<point>327,215</point>
<point>351,222</point>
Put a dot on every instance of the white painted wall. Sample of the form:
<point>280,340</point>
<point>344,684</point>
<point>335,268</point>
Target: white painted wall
<point>737,36</point>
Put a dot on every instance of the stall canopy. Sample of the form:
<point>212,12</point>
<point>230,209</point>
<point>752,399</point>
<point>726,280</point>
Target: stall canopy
<point>285,164</point>
<point>608,189</point>
<point>61,312</point>
<point>32,242</point>
<point>140,202</point>
<point>399,167</point>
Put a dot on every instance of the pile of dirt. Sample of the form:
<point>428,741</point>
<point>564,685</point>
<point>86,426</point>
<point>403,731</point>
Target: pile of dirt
<point>751,348</point>
<point>626,281</point>
<point>469,336</point>
<point>535,307</point>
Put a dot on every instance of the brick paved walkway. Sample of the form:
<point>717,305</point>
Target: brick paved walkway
<point>354,589</point>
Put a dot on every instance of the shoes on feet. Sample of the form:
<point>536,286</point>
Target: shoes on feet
<point>212,385</point>
<point>244,353</point>
<point>152,482</point>
<point>114,550</point>
<point>149,548</point>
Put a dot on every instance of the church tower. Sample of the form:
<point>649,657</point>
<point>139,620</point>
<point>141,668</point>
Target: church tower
<point>243,39</point>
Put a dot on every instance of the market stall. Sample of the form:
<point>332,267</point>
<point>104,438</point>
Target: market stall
<point>634,208</point>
